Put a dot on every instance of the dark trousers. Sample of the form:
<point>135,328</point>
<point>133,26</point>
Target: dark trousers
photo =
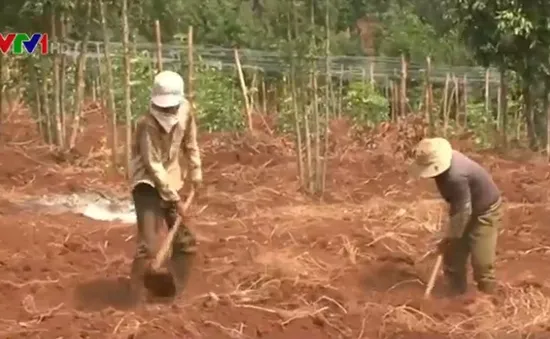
<point>151,213</point>
<point>479,241</point>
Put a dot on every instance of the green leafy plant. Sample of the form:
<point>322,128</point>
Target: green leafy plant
<point>365,105</point>
<point>219,104</point>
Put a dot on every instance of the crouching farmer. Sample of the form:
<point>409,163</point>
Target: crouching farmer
<point>474,202</point>
<point>156,177</point>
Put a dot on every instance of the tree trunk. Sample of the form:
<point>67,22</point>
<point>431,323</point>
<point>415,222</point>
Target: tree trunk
<point>127,78</point>
<point>56,85</point>
<point>110,86</point>
<point>503,107</point>
<point>529,114</point>
<point>62,77</point>
<point>79,81</point>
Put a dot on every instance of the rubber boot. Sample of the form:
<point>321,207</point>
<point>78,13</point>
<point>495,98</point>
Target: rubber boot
<point>181,265</point>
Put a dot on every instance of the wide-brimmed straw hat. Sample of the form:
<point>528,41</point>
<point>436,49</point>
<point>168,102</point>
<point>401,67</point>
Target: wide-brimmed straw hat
<point>432,157</point>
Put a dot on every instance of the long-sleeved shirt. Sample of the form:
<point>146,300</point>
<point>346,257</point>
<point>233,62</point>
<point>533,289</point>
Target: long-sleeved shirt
<point>155,154</point>
<point>468,188</point>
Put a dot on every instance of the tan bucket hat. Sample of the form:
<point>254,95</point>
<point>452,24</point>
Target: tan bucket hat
<point>432,157</point>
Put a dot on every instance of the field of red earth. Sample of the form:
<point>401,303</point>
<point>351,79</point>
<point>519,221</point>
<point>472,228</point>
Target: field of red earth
<point>273,263</point>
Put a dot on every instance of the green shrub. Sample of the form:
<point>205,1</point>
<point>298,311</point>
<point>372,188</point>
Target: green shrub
<point>365,105</point>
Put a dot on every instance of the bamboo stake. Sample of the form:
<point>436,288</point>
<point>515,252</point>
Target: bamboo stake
<point>396,100</point>
<point>371,72</point>
<point>94,90</point>
<point>391,98</point>
<point>252,91</point>
<point>102,84</point>
<point>248,109</point>
<point>80,82</point>
<point>499,105</point>
<point>504,108</point>
<point>37,107</point>
<point>309,157</point>
<point>328,81</point>
<point>127,88</point>
<point>317,135</point>
<point>264,95</point>
<point>46,107</point>
<point>63,77</point>
<point>191,70</point>
<point>56,91</point>
<point>109,87</point>
<point>340,90</point>
<point>446,105</point>
<point>403,87</point>
<point>465,100</point>
<point>430,102</point>
<point>158,41</point>
<point>487,97</point>
<point>457,100</point>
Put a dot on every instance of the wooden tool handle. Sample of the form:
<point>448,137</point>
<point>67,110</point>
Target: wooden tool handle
<point>167,242</point>
<point>431,282</point>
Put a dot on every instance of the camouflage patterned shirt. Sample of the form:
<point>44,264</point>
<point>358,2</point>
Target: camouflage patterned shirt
<point>155,154</point>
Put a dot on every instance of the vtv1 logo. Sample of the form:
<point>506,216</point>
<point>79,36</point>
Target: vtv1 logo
<point>22,43</point>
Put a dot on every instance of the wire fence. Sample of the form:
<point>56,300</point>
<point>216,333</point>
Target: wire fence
<point>348,67</point>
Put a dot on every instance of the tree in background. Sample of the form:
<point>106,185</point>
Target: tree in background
<point>509,35</point>
<point>513,36</point>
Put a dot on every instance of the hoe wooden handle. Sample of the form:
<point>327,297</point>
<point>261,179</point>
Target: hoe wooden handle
<point>162,253</point>
<point>431,282</point>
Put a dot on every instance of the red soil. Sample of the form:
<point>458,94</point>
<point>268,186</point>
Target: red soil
<point>272,263</point>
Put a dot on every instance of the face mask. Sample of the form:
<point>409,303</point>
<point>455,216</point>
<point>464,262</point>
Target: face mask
<point>167,121</point>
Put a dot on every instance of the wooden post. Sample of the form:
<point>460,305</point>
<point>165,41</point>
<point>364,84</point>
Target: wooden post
<point>465,100</point>
<point>487,93</point>
<point>403,94</point>
<point>190,71</point>
<point>80,80</point>
<point>244,91</point>
<point>446,105</point>
<point>503,90</point>
<point>109,86</point>
<point>429,92</point>
<point>340,90</point>
<point>457,99</point>
<point>159,46</point>
<point>499,105</point>
<point>395,100</point>
<point>127,88</point>
<point>62,77</point>
<point>56,87</point>
<point>264,95</point>
<point>371,72</point>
